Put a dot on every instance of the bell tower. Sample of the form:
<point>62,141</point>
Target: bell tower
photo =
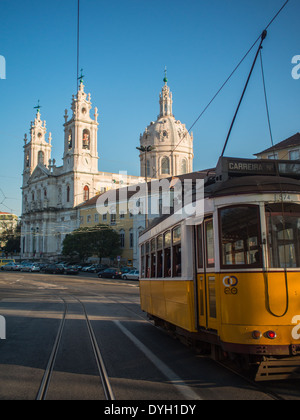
<point>80,144</point>
<point>37,151</point>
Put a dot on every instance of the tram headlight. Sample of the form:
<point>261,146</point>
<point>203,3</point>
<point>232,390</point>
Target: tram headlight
<point>256,335</point>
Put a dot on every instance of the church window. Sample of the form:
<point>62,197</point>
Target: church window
<point>183,166</point>
<point>27,160</point>
<point>86,139</point>
<point>32,196</point>
<point>41,157</point>
<point>59,195</point>
<point>165,166</point>
<point>70,141</point>
<point>68,194</point>
<point>86,193</point>
<point>45,193</point>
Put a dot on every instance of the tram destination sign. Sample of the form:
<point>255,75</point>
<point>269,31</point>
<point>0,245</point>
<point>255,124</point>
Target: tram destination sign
<point>228,167</point>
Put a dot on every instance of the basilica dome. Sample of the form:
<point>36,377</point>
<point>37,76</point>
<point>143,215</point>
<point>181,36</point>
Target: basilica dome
<point>166,145</point>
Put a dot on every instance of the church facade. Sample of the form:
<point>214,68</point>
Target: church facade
<point>50,194</point>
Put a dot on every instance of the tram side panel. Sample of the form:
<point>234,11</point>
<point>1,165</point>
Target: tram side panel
<point>169,300</point>
<point>257,302</point>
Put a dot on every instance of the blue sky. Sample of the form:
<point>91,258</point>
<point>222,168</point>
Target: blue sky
<point>124,47</point>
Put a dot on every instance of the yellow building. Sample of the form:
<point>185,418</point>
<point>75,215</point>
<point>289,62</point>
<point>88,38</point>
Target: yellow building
<point>288,149</point>
<point>116,216</point>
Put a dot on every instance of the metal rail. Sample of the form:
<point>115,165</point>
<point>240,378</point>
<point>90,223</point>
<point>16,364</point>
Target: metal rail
<point>41,395</point>
<point>109,395</point>
<point>45,383</point>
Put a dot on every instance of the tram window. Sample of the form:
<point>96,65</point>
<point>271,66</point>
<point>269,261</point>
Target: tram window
<point>147,257</point>
<point>240,236</point>
<point>283,224</point>
<point>143,261</point>
<point>177,251</point>
<point>160,256</point>
<point>210,247</point>
<point>199,246</point>
<point>167,254</point>
<point>153,258</point>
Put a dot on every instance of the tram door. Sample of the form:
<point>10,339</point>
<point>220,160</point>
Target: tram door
<point>206,277</point>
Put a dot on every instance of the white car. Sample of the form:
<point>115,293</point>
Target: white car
<point>131,275</point>
<point>30,268</point>
<point>11,267</point>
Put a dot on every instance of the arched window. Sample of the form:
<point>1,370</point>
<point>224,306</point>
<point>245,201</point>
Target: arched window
<point>70,141</point>
<point>86,139</point>
<point>68,193</point>
<point>27,160</point>
<point>41,157</point>
<point>86,193</point>
<point>183,166</point>
<point>165,166</point>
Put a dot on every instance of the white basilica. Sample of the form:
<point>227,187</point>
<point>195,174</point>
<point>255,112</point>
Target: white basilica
<point>51,194</point>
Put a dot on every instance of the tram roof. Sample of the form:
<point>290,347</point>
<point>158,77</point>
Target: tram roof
<point>244,176</point>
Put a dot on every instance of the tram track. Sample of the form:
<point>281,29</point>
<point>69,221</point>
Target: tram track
<point>104,378</point>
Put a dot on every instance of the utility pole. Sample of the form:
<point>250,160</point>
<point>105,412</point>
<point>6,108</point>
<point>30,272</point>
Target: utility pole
<point>146,149</point>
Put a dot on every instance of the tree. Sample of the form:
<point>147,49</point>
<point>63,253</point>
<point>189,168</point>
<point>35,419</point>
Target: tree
<point>85,242</point>
<point>11,238</point>
<point>105,242</point>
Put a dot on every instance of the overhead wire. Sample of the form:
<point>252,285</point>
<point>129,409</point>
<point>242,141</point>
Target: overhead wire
<point>225,83</point>
<point>266,275</point>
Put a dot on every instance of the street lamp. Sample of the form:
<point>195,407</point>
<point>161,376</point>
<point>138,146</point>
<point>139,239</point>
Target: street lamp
<point>146,149</point>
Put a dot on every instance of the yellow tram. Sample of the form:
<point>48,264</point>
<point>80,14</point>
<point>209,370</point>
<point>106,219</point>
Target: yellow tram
<point>231,281</point>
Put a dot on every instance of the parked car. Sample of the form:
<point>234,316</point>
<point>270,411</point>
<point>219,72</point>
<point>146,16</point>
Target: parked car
<point>110,273</point>
<point>97,267</point>
<point>131,275</point>
<point>30,268</point>
<point>71,269</point>
<point>5,261</point>
<point>11,266</point>
<point>86,268</point>
<point>54,269</point>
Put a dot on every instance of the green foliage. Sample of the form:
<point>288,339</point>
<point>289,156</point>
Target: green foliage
<point>85,242</point>
<point>11,239</point>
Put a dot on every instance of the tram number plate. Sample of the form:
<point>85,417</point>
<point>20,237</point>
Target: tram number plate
<point>278,198</point>
<point>230,283</point>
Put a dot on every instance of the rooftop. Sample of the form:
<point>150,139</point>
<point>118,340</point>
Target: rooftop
<point>285,144</point>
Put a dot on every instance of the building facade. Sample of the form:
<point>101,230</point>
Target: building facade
<point>288,149</point>
<point>117,216</point>
<point>50,194</point>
